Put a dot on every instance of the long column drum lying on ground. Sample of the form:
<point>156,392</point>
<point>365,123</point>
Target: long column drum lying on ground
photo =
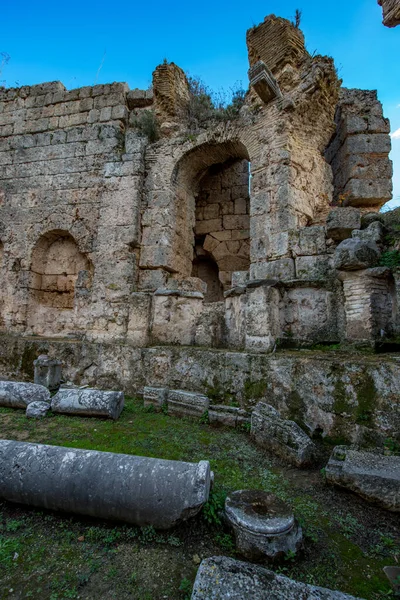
<point>135,489</point>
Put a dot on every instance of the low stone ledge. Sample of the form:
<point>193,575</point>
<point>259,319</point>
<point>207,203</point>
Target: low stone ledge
<point>187,404</point>
<point>134,489</point>
<point>373,476</point>
<point>88,403</point>
<point>280,436</point>
<point>223,578</point>
<point>14,394</point>
<point>180,293</point>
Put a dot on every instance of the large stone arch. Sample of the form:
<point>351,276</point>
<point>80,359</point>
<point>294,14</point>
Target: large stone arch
<point>58,270</point>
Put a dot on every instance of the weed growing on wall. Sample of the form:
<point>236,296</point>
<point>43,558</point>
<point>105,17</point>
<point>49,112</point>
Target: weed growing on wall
<point>206,106</point>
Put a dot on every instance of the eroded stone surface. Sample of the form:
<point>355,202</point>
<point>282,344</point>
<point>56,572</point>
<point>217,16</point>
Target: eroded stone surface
<point>264,526</point>
<point>375,477</point>
<point>187,404</point>
<point>356,254</point>
<point>19,395</point>
<point>37,409</point>
<point>90,403</point>
<point>223,578</point>
<point>391,12</point>
<point>134,489</point>
<point>284,438</point>
<point>47,372</point>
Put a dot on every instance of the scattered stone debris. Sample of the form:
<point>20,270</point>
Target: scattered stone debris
<point>134,489</point>
<point>264,525</point>
<point>15,394</point>
<point>37,409</point>
<point>88,402</point>
<point>373,476</point>
<point>284,438</point>
<point>223,578</point>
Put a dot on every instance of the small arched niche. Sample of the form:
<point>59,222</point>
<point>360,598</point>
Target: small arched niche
<point>56,265</point>
<point>212,183</point>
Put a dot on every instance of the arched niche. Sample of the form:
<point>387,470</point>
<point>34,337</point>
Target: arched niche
<point>57,268</point>
<point>212,190</point>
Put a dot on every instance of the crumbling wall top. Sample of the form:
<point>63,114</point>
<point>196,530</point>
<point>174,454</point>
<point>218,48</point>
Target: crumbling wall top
<point>276,42</point>
<point>391,12</point>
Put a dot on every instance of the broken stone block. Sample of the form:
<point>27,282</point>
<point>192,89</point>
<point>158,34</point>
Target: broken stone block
<point>264,525</point>
<point>106,485</point>
<point>280,436</point>
<point>223,578</point>
<point>263,82</point>
<point>375,477</point>
<point>47,372</point>
<point>341,222</point>
<point>373,233</point>
<point>37,410</point>
<point>187,404</point>
<point>18,395</point>
<point>154,396</point>
<point>355,254</point>
<point>88,403</point>
<point>230,416</point>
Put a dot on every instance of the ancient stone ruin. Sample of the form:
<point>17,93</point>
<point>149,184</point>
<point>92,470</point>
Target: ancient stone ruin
<point>138,235</point>
<point>391,12</point>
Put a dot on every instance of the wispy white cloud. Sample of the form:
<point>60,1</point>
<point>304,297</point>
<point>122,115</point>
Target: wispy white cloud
<point>395,135</point>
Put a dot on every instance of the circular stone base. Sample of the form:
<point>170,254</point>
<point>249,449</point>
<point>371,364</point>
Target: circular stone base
<point>264,526</point>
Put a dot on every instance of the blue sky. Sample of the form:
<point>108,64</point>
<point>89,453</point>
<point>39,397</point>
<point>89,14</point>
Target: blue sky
<point>86,42</point>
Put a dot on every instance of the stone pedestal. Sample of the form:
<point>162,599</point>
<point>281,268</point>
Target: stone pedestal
<point>47,372</point>
<point>264,526</point>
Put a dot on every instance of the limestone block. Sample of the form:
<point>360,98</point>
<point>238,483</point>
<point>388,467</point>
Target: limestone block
<point>88,403</point>
<point>235,317</point>
<point>310,313</point>
<point>341,222</point>
<point>280,436</point>
<point>263,82</point>
<point>187,404</point>
<point>264,526</point>
<point>375,477</point>
<point>391,12</point>
<point>37,409</point>
<point>281,269</point>
<point>138,490</point>
<point>229,416</point>
<point>18,395</point>
<point>175,316</point>
<point>308,241</point>
<point>239,278</point>
<point>153,396</point>
<point>262,317</point>
<point>152,279</point>
<point>314,267</point>
<point>367,192</point>
<point>373,233</point>
<point>223,578</point>
<point>355,254</point>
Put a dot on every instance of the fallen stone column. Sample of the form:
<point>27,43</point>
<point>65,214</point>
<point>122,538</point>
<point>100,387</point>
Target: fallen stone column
<point>220,578</point>
<point>375,477</point>
<point>89,403</point>
<point>15,394</point>
<point>134,489</point>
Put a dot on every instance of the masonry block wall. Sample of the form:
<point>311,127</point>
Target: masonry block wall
<point>121,223</point>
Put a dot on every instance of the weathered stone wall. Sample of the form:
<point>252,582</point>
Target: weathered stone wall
<point>70,168</point>
<point>222,219</point>
<point>359,151</point>
<point>391,12</point>
<point>348,398</point>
